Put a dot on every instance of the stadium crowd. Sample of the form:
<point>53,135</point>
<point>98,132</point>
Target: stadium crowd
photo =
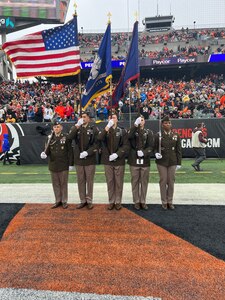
<point>183,35</point>
<point>92,41</point>
<point>39,102</point>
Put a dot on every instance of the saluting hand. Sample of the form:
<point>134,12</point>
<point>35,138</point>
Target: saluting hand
<point>80,122</point>
<point>110,124</point>
<point>137,121</point>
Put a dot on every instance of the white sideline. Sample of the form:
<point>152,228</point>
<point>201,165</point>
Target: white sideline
<point>188,194</point>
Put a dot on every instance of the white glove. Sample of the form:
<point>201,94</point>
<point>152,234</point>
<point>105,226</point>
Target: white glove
<point>43,155</point>
<point>113,156</point>
<point>178,167</point>
<point>83,154</point>
<point>158,155</point>
<point>137,121</point>
<point>140,153</point>
<point>71,168</point>
<point>110,123</point>
<point>80,122</point>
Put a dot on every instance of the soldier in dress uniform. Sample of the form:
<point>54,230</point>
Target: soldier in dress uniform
<point>115,147</point>
<point>60,153</point>
<point>85,157</point>
<point>142,144</point>
<point>168,160</point>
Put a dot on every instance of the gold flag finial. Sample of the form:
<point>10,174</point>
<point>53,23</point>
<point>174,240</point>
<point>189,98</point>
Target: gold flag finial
<point>75,9</point>
<point>136,16</point>
<point>109,17</point>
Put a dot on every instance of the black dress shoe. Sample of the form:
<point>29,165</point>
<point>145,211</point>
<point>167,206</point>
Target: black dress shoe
<point>81,205</point>
<point>56,205</point>
<point>118,206</point>
<point>171,206</point>
<point>65,205</point>
<point>137,206</point>
<point>111,206</point>
<point>90,206</point>
<point>164,206</point>
<point>144,206</point>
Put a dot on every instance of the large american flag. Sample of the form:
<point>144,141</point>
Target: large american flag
<point>50,53</point>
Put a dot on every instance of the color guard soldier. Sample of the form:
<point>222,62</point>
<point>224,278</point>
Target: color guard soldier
<point>60,153</point>
<point>142,144</point>
<point>168,161</point>
<point>85,158</point>
<point>115,147</point>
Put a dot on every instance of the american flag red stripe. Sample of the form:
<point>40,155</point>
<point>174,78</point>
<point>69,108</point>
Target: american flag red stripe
<point>31,58</point>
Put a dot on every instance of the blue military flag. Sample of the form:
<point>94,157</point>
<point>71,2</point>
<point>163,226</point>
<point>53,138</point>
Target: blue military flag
<point>131,69</point>
<point>101,71</point>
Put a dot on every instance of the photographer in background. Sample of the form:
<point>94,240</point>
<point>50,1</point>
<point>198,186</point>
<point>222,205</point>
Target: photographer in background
<point>198,143</point>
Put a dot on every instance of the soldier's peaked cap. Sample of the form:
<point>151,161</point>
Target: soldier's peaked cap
<point>84,112</point>
<point>56,122</point>
<point>166,119</point>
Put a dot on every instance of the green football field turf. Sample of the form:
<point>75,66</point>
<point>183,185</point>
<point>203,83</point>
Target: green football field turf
<point>213,172</point>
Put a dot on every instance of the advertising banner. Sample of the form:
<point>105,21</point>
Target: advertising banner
<point>27,140</point>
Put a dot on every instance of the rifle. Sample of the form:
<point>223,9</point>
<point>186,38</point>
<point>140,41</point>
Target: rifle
<point>160,131</point>
<point>48,142</point>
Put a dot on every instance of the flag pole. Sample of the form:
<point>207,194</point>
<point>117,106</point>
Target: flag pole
<point>110,80</point>
<point>129,89</point>
<point>79,85</point>
<point>138,97</point>
<point>138,81</point>
<point>110,96</point>
<point>160,130</point>
<point>79,74</point>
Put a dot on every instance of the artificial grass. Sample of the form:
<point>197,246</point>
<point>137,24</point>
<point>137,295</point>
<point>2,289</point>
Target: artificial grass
<point>214,171</point>
<point>7,213</point>
<point>201,225</point>
<point>104,252</point>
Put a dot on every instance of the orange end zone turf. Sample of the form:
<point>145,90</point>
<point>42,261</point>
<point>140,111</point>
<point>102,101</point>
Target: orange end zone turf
<point>104,252</point>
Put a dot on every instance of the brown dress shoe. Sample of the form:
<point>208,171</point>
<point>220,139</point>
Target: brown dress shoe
<point>111,206</point>
<point>56,205</point>
<point>81,205</point>
<point>65,205</point>
<point>118,206</point>
<point>90,206</point>
<point>144,206</point>
<point>137,206</point>
<point>171,206</point>
<point>164,206</point>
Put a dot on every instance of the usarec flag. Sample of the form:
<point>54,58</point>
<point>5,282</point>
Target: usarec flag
<point>101,72</point>
<point>131,69</point>
<point>50,53</point>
